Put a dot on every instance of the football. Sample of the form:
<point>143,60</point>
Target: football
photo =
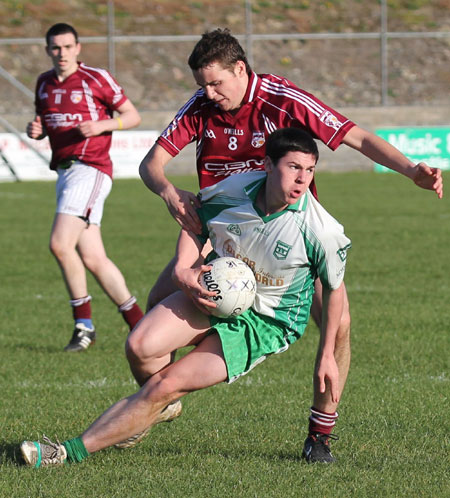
<point>234,284</point>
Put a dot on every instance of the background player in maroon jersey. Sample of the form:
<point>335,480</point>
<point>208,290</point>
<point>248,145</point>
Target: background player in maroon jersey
<point>74,107</point>
<point>229,118</point>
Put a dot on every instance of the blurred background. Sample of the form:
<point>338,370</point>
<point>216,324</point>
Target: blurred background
<point>383,62</point>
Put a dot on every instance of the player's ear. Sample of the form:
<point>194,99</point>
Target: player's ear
<point>240,68</point>
<point>268,164</point>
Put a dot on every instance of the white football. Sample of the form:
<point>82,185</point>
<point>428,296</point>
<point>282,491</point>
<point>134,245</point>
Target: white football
<point>234,284</point>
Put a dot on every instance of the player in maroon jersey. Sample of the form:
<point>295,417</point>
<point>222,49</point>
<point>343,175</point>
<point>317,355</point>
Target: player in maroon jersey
<point>74,108</point>
<point>229,118</point>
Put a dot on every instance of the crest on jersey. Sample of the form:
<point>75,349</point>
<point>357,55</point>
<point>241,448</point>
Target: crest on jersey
<point>281,250</point>
<point>233,228</point>
<point>258,139</point>
<point>330,120</point>
<point>76,96</point>
<point>342,253</point>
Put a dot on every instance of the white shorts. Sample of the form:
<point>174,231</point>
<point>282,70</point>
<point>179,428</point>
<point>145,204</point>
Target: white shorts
<point>81,191</point>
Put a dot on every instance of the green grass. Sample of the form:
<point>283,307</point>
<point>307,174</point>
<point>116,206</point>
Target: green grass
<point>242,440</point>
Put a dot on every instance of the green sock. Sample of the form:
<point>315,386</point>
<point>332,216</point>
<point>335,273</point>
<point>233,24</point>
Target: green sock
<point>76,451</point>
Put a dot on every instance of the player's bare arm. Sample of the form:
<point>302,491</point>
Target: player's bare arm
<point>382,152</point>
<point>128,118</point>
<point>35,129</point>
<point>185,276</point>
<point>327,371</point>
<point>180,203</point>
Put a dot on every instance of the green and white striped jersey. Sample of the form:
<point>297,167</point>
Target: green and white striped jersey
<point>287,251</point>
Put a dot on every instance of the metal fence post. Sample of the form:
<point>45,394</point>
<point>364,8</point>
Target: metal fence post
<point>111,42</point>
<point>249,31</point>
<point>384,53</point>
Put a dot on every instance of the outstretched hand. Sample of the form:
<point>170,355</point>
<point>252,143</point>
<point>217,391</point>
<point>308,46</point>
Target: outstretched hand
<point>429,178</point>
<point>182,206</point>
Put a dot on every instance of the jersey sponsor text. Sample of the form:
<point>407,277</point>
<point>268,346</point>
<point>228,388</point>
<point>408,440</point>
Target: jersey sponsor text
<point>232,168</point>
<point>66,119</point>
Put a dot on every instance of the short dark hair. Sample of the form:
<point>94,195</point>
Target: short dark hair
<point>285,140</point>
<point>217,46</point>
<point>60,28</point>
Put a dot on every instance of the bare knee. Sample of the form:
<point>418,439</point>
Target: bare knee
<point>141,346</point>
<point>133,348</point>
<point>59,250</point>
<point>94,263</point>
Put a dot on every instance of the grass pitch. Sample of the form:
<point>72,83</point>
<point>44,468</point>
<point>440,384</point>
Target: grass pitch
<point>242,440</point>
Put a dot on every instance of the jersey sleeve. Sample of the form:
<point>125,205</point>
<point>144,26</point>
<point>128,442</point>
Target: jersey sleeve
<point>184,127</point>
<point>211,205</point>
<point>310,113</point>
<point>220,196</point>
<point>112,94</point>
<point>331,257</point>
<point>326,245</point>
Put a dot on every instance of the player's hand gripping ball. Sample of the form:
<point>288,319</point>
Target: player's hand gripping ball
<point>234,284</point>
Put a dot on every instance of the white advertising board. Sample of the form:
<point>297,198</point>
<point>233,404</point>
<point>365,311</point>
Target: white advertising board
<point>127,151</point>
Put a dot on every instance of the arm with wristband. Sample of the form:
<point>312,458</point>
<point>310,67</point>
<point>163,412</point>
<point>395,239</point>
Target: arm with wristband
<point>128,118</point>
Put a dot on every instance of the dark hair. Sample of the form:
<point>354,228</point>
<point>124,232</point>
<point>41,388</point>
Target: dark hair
<point>285,140</point>
<point>217,46</point>
<point>60,29</point>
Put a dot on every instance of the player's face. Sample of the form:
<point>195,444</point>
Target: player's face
<point>63,51</point>
<point>288,180</point>
<point>225,87</point>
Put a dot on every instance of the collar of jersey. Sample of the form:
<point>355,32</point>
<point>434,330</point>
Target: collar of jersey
<point>55,75</point>
<point>252,191</point>
<point>253,84</point>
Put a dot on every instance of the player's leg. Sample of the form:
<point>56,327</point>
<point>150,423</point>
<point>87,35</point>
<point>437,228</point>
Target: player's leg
<point>65,233</point>
<point>95,259</point>
<point>164,285</point>
<point>77,187</point>
<point>107,274</point>
<point>323,412</point>
<point>92,250</point>
<point>64,237</point>
<point>150,344</point>
<point>202,367</point>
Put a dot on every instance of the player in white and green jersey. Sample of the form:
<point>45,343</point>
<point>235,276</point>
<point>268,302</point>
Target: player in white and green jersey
<point>271,221</point>
<point>287,250</point>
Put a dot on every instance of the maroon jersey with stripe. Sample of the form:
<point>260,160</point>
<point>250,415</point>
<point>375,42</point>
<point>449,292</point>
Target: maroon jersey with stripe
<point>235,143</point>
<point>89,94</point>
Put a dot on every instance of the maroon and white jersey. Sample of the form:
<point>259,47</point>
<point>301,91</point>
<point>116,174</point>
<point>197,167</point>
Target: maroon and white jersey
<point>89,94</point>
<point>235,143</point>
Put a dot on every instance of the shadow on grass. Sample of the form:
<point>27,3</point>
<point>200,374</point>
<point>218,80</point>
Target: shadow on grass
<point>231,454</point>
<point>10,453</point>
<point>37,348</point>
